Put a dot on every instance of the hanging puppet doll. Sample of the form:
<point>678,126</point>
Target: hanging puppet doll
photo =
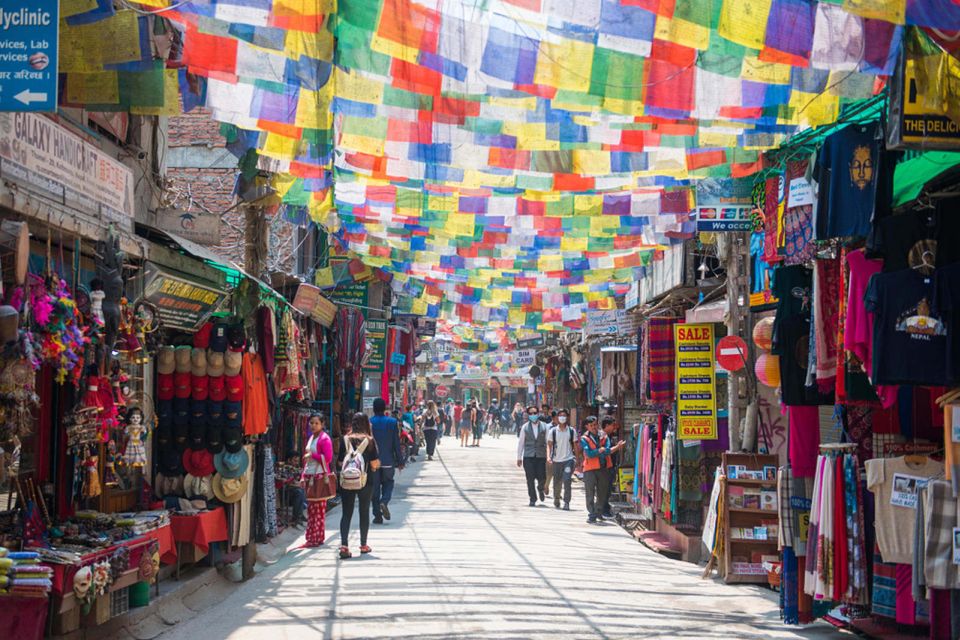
<point>135,454</point>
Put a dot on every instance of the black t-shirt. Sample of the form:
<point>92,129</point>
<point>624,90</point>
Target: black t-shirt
<point>794,362</point>
<point>902,240</point>
<point>792,286</point>
<point>947,281</point>
<point>909,337</point>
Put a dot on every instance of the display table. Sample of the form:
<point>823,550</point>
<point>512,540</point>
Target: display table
<point>63,573</point>
<point>164,537</point>
<point>198,531</point>
<point>23,618</point>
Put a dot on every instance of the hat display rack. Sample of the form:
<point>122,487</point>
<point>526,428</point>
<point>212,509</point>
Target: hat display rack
<point>199,439</point>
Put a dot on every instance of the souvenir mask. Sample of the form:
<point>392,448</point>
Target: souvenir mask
<point>82,580</point>
<point>101,577</point>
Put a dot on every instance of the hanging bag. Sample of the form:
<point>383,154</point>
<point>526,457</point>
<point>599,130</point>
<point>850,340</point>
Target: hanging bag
<point>321,486</point>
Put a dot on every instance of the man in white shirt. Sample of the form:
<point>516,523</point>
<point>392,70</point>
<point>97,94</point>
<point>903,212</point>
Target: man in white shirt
<point>532,454</point>
<point>561,454</point>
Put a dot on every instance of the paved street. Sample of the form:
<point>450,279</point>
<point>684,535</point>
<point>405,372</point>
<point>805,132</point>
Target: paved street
<point>466,557</point>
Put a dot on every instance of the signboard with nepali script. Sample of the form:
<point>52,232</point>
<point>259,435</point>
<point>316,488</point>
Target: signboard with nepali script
<point>180,304</point>
<point>696,389</point>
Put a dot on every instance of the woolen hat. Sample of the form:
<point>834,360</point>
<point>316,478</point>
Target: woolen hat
<point>215,364</point>
<point>218,339</point>
<point>217,389</point>
<point>166,362</point>
<point>182,358</point>
<point>229,490</point>
<point>233,415</point>
<point>232,464</point>
<point>233,439</point>
<point>198,362</point>
<point>201,339</point>
<point>200,387</point>
<point>165,386</point>
<point>234,388</point>
<point>182,384</point>
<point>198,462</point>
<point>234,361</point>
<point>214,440</point>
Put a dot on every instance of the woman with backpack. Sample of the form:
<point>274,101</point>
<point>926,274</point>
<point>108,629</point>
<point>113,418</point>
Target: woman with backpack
<point>318,454</point>
<point>431,426</point>
<point>358,455</point>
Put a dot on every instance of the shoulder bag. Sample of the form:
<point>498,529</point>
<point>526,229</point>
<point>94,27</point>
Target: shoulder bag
<point>321,486</point>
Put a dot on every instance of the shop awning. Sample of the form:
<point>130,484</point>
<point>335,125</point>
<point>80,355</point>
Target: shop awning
<point>709,312</point>
<point>914,174</point>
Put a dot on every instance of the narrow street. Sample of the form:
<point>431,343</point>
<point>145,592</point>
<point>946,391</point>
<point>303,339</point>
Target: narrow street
<point>464,556</point>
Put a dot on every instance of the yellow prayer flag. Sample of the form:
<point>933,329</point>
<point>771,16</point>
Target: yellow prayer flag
<point>550,262</point>
<point>323,277</point>
<point>516,316</point>
<point>683,32</point>
<point>565,65</point>
<point>894,11</point>
<point>745,22</point>
<point>591,163</point>
<point>355,87</point>
<point>766,72</point>
<point>93,88</point>
<point>569,243</point>
<point>460,224</point>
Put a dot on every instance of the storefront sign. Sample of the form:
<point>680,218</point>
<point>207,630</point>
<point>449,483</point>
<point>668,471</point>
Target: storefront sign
<point>28,55</point>
<point>45,158</point>
<point>627,324</point>
<point>696,392</point>
<point>896,449</point>
<point>202,228</point>
<point>442,391</point>
<point>180,304</point>
<point>398,358</point>
<point>524,357</point>
<point>527,343</point>
<point>724,204</point>
<point>377,343</point>
<point>601,323</point>
<point>310,301</point>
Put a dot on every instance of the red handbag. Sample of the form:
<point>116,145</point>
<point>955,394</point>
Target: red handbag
<point>321,486</point>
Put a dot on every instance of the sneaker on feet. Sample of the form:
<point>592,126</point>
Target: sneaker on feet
<point>429,457</point>
<point>566,506</point>
<point>608,515</point>
<point>556,504</point>
<point>378,521</point>
<point>385,510</point>
<point>592,519</point>
<point>541,495</point>
<point>533,503</point>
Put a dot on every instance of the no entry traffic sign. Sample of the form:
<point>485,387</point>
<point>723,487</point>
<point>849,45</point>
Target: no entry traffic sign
<point>732,353</point>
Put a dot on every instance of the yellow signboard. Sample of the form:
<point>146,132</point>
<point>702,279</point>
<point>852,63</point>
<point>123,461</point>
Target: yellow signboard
<point>696,385</point>
<point>920,125</point>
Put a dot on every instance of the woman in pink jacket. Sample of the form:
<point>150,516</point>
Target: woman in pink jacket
<point>317,456</point>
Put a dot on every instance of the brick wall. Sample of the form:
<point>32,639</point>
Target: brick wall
<point>201,178</point>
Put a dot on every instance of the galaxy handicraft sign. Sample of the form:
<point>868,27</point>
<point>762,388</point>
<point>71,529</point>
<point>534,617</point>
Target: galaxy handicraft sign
<point>696,391</point>
<point>724,204</point>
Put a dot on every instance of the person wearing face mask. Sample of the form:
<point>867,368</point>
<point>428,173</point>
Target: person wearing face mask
<point>561,454</point>
<point>532,454</point>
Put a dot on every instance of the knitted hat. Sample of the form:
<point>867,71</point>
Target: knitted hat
<point>182,358</point>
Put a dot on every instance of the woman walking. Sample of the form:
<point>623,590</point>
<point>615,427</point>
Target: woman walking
<point>466,424</point>
<point>431,427</point>
<point>519,417</point>
<point>358,456</point>
<point>317,457</point>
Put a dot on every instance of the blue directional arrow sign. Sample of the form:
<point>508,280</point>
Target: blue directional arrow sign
<point>29,31</point>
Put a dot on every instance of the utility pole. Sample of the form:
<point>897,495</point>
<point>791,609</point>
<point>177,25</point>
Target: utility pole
<point>742,436</point>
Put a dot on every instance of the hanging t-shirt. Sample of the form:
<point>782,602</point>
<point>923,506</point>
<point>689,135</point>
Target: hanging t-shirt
<point>894,484</point>
<point>847,177</point>
<point>912,239</point>
<point>947,281</point>
<point>909,337</point>
<point>792,286</point>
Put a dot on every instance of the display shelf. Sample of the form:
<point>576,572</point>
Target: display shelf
<point>752,462</point>
<point>766,512</point>
<point>752,483</point>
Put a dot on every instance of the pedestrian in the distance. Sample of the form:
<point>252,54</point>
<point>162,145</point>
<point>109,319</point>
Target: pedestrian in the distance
<point>358,456</point>
<point>386,432</point>
<point>547,417</point>
<point>317,460</point>
<point>597,465</point>
<point>532,454</point>
<point>561,456</point>
<point>466,424</point>
<point>431,427</point>
<point>608,424</point>
<point>519,417</point>
<point>477,423</point>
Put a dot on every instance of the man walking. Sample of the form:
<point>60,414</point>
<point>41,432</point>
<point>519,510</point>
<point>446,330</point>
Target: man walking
<point>561,455</point>
<point>387,434</point>
<point>597,466</point>
<point>547,418</point>
<point>532,454</point>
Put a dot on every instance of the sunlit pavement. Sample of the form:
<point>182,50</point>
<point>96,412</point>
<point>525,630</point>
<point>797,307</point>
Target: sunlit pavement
<point>464,556</point>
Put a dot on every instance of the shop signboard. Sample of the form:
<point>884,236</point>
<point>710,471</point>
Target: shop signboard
<point>524,357</point>
<point>601,322</point>
<point>628,324</point>
<point>696,389</point>
<point>350,293</point>
<point>200,227</point>
<point>29,35</point>
<point>48,159</point>
<point>181,304</point>
<point>377,343</point>
<point>398,358</point>
<point>530,342</point>
<point>442,391</point>
<point>724,204</point>
<point>310,301</point>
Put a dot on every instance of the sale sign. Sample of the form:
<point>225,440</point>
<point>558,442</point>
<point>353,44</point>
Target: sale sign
<point>696,389</point>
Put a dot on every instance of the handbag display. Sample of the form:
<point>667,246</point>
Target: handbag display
<point>321,486</point>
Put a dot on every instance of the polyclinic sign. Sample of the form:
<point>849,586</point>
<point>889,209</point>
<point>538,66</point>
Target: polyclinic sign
<point>696,384</point>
